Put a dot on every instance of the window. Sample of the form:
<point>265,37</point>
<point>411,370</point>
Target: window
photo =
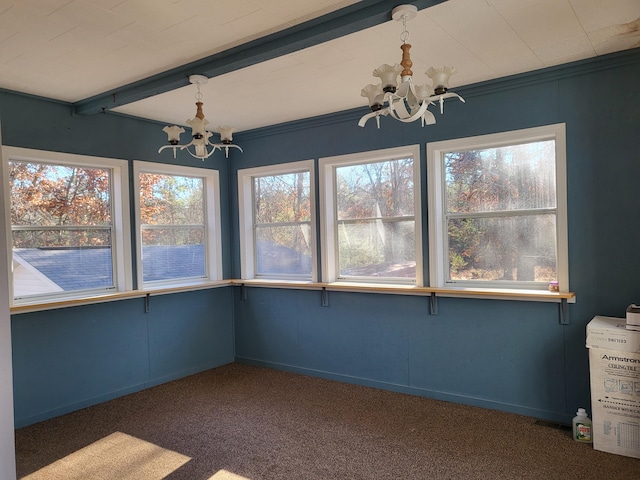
<point>497,210</point>
<point>69,225</point>
<point>371,217</point>
<point>277,222</point>
<point>179,225</point>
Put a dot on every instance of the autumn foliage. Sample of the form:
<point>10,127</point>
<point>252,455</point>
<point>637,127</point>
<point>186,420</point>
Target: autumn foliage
<point>59,206</point>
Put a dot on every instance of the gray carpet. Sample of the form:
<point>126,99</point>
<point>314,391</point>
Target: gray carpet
<point>242,422</point>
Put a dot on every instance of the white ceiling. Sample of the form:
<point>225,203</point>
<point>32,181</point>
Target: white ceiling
<point>71,50</point>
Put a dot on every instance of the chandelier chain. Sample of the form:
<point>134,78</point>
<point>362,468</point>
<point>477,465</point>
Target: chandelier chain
<point>404,36</point>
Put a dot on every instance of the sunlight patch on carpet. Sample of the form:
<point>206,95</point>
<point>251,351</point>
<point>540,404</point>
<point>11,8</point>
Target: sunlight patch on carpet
<point>225,475</point>
<point>116,457</point>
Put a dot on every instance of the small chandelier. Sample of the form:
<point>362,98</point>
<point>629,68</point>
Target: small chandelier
<point>202,147</point>
<point>406,102</point>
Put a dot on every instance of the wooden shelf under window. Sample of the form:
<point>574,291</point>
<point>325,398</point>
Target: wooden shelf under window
<point>562,298</point>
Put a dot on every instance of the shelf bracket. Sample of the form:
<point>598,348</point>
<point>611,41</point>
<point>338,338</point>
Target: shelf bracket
<point>564,312</point>
<point>324,297</point>
<point>433,304</point>
<point>147,303</point>
<point>243,292</point>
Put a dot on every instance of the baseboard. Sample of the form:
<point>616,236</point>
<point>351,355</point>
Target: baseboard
<point>547,415</point>
<point>72,407</point>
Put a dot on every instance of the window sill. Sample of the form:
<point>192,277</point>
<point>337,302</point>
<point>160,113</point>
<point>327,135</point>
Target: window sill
<point>486,293</point>
<point>561,298</point>
<point>111,297</point>
<point>496,294</point>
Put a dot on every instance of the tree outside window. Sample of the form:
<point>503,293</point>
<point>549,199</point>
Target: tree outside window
<point>277,222</point>
<point>371,217</point>
<point>498,211</point>
<point>179,226</point>
<point>282,224</point>
<point>67,229</point>
<point>375,219</point>
<point>173,233</point>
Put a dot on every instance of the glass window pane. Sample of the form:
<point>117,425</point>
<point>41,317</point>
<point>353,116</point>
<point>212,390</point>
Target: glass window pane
<point>376,248</point>
<point>46,270</point>
<point>52,209</point>
<point>171,200</point>
<point>54,195</point>
<point>373,190</point>
<point>282,198</point>
<point>166,262</point>
<point>283,250</point>
<point>173,234</point>
<point>518,248</point>
<point>191,235</point>
<point>506,178</point>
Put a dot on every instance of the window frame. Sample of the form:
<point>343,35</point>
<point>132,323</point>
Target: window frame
<point>212,211</point>
<point>438,236</point>
<point>328,204</point>
<point>121,236</point>
<point>248,267</point>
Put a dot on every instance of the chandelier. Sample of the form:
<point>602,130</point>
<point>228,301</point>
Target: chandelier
<point>406,102</point>
<point>200,146</point>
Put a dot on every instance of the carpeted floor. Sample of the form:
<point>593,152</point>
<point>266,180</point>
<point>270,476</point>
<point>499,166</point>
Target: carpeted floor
<point>242,422</point>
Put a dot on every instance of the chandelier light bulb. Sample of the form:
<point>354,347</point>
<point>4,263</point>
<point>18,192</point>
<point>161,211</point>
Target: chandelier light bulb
<point>173,133</point>
<point>226,134</point>
<point>374,93</point>
<point>388,74</point>
<point>440,77</point>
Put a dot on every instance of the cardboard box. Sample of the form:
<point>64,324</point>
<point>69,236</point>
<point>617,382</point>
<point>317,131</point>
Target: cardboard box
<point>633,317</point>
<point>611,333</point>
<point>615,386</point>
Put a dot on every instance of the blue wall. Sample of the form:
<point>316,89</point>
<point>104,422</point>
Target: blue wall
<point>508,355</point>
<point>70,358</point>
<point>75,357</point>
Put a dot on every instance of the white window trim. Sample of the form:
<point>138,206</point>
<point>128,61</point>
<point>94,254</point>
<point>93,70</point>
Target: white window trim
<point>438,263</point>
<point>213,247</point>
<point>121,248</point>
<point>245,213</point>
<point>327,168</point>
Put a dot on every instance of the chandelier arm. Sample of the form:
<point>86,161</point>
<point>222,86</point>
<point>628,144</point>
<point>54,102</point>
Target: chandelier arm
<point>436,98</point>
<point>174,147</point>
<point>199,157</point>
<point>226,147</point>
<point>440,99</point>
<point>411,116</point>
<point>377,114</point>
<point>366,117</point>
<point>168,146</point>
<point>428,118</point>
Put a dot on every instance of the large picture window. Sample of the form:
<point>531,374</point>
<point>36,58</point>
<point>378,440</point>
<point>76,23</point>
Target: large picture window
<point>277,226</point>
<point>370,210</point>
<point>178,212</point>
<point>498,210</point>
<point>67,225</point>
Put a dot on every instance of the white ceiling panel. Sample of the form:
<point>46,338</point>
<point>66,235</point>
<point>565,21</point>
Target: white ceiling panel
<point>541,23</point>
<point>480,28</point>
<point>600,14</point>
<point>72,50</point>
<point>161,16</point>
<point>91,18</point>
